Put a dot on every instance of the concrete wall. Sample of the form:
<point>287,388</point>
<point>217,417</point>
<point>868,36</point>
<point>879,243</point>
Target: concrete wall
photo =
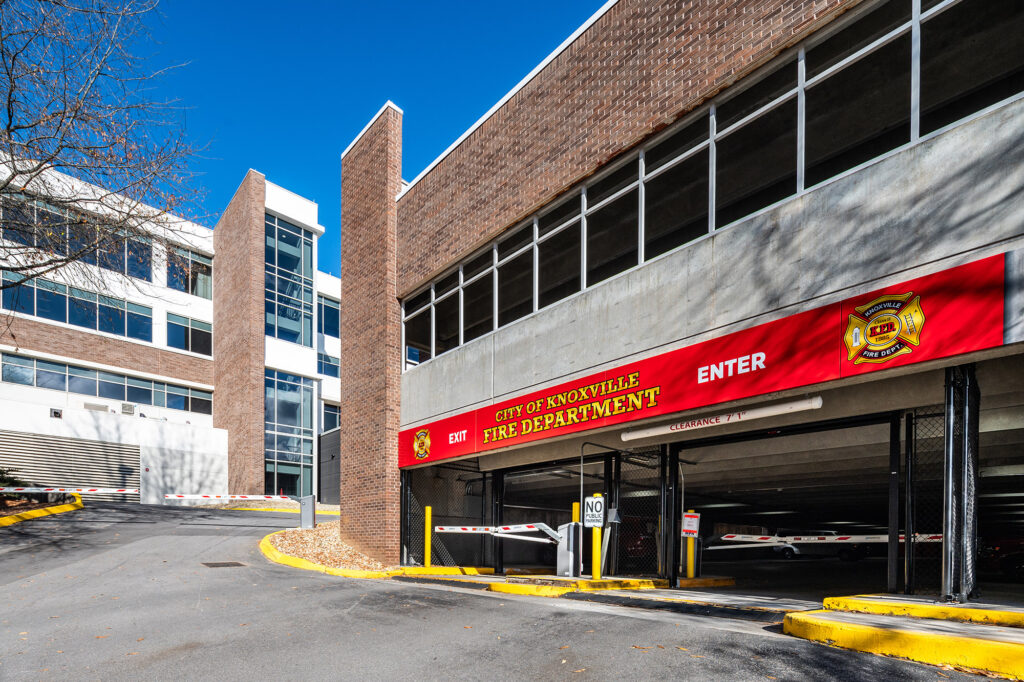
<point>175,458</point>
<point>951,199</point>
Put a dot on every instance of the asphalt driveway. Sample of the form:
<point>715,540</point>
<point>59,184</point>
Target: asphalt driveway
<point>121,592</point>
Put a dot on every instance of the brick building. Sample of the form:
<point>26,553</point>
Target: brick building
<point>209,370</point>
<point>692,215</point>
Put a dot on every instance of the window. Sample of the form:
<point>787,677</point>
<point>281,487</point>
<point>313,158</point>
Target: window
<point>676,205</point>
<point>612,238</point>
<point>61,303</point>
<point>860,112</point>
<point>20,298</point>
<point>288,433</point>
<point>190,272</point>
<point>18,369</point>
<point>190,335</point>
<point>332,417</point>
<point>328,366</point>
<point>736,156</point>
<point>140,322</point>
<point>329,317</point>
<point>756,164</point>
<point>52,301</point>
<point>971,57</point>
<point>288,281</point>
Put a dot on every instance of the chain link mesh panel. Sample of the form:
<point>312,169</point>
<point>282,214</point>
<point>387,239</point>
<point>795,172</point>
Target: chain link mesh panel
<point>458,496</point>
<point>928,457</point>
<point>640,542</point>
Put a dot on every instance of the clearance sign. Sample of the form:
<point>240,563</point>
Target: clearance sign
<point>949,313</point>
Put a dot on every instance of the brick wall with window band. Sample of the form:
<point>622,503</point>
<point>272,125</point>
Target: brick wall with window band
<point>31,222</point>
<point>838,100</point>
<point>58,376</point>
<point>70,305</point>
<point>289,281</point>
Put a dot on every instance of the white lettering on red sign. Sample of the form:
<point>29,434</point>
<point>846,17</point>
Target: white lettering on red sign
<point>457,437</point>
<point>728,368</point>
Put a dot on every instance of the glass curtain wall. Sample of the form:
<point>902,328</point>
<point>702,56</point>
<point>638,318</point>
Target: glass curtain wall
<point>288,434</point>
<point>289,282</point>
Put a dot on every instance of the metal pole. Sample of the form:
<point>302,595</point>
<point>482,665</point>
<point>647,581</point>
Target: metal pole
<point>427,514</point>
<point>908,510</point>
<point>948,490</point>
<point>894,503</point>
<point>691,556</point>
<point>595,551</point>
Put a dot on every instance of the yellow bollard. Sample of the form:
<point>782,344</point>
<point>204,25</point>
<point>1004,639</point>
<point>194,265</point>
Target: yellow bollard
<point>575,512</point>
<point>595,551</point>
<point>428,512</point>
<point>691,555</point>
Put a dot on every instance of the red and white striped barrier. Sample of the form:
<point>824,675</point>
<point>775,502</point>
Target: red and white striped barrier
<point>506,531</point>
<point>226,497</point>
<point>80,491</point>
<point>802,539</point>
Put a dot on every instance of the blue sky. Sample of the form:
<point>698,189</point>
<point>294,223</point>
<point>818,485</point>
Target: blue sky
<point>284,87</point>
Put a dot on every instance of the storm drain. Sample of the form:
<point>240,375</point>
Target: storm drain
<point>222,564</point>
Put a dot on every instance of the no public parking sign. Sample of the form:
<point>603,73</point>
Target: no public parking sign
<point>593,512</point>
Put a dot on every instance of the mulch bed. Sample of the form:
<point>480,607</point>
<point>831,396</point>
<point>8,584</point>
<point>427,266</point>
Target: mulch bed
<point>12,507</point>
<point>323,545</point>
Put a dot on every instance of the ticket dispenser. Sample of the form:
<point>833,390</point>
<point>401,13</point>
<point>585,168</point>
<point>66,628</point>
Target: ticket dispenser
<point>570,550</point>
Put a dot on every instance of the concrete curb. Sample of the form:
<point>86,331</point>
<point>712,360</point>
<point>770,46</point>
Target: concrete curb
<point>1001,658</point>
<point>45,511</point>
<point>964,614</point>
<point>683,606</point>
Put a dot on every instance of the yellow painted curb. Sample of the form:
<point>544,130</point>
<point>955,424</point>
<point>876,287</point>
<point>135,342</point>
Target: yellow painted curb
<point>446,570</point>
<point>1002,658</point>
<point>45,511</point>
<point>965,614</point>
<point>283,511</point>
<point>710,581</point>
<point>531,590</point>
<point>619,584</point>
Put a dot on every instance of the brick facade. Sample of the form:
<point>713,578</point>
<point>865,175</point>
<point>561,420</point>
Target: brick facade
<point>640,67</point>
<point>50,338</point>
<point>238,340</point>
<point>370,340</point>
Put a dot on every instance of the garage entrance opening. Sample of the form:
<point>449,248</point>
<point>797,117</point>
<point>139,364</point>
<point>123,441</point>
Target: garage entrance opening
<point>827,483</point>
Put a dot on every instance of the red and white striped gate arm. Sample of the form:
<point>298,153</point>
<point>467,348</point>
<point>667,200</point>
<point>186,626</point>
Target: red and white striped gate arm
<point>226,497</point>
<point>809,539</point>
<point>80,491</point>
<point>505,531</point>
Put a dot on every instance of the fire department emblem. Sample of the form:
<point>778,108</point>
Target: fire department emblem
<point>421,444</point>
<point>884,328</point>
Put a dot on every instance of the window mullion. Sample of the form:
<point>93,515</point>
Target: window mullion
<point>712,162</point>
<point>915,71</point>
<point>583,238</point>
<point>801,120</point>
<point>536,267</point>
<point>433,323</point>
<point>462,316</point>
<point>494,286</point>
<point>641,197</point>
